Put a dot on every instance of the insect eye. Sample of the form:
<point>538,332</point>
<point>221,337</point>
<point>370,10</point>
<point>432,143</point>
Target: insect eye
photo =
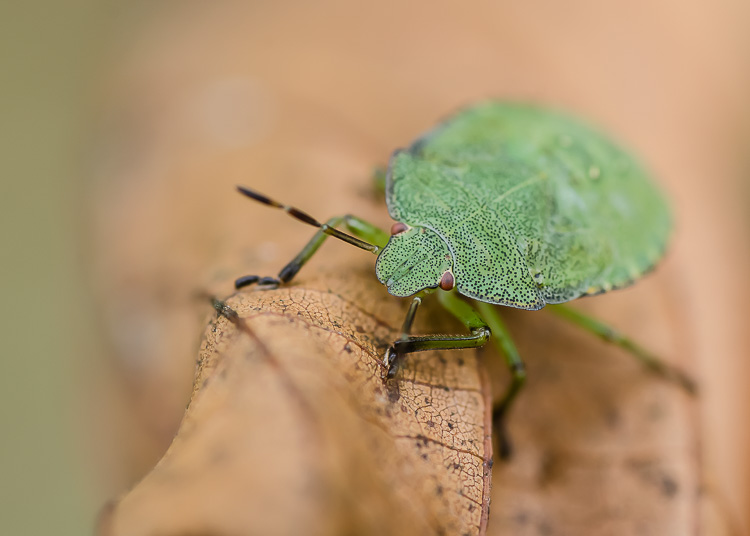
<point>447,282</point>
<point>398,227</point>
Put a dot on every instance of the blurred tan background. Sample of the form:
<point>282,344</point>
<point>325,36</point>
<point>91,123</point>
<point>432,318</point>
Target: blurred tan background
<point>99,95</point>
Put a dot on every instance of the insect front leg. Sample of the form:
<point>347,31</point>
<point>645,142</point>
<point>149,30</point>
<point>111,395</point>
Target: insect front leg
<point>373,239</point>
<point>395,354</point>
<point>481,328</point>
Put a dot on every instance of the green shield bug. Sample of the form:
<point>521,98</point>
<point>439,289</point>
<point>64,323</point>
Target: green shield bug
<point>505,204</point>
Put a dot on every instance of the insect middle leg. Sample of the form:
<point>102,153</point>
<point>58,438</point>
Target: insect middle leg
<point>506,347</point>
<point>368,232</point>
<point>606,333</point>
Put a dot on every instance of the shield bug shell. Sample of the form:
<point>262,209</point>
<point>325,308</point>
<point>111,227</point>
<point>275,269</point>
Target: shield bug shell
<point>532,206</point>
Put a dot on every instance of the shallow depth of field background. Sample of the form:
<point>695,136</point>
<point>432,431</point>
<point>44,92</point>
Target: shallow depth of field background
<point>670,78</point>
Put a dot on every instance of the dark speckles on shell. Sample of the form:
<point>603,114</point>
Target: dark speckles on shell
<point>501,197</point>
<point>413,260</point>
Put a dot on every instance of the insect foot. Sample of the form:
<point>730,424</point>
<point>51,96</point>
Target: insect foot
<point>392,363</point>
<point>264,283</point>
<point>504,445</point>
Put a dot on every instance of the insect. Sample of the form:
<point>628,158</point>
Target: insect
<point>505,204</point>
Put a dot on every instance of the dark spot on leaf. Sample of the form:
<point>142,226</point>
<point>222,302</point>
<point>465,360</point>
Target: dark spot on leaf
<point>655,412</point>
<point>521,518</point>
<point>544,528</point>
<point>612,417</point>
<point>668,486</point>
<point>550,468</point>
<point>218,455</point>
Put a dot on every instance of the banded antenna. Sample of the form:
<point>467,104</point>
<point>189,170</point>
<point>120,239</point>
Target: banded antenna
<point>306,218</point>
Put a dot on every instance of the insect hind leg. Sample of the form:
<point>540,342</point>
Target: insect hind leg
<point>606,333</point>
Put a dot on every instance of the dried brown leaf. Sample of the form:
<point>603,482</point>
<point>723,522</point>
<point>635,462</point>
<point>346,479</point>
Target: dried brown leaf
<point>290,430</point>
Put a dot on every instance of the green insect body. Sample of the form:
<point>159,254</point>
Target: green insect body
<point>533,208</point>
<point>505,204</point>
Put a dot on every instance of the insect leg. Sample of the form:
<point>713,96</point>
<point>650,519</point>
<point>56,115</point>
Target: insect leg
<point>378,180</point>
<point>409,320</point>
<point>608,334</point>
<point>355,225</point>
<point>480,334</point>
<point>372,239</point>
<point>507,349</point>
<point>480,327</point>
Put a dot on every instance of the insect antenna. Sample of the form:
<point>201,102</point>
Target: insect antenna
<point>306,218</point>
